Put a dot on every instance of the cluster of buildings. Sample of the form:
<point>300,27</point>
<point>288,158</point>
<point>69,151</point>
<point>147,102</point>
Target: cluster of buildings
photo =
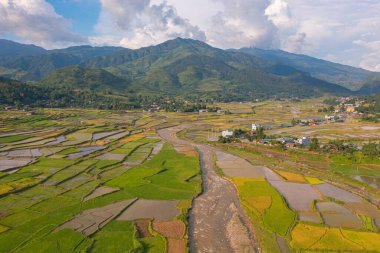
<point>349,104</point>
<point>287,141</point>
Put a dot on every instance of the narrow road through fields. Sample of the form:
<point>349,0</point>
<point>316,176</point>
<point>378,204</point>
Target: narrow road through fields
<point>217,221</point>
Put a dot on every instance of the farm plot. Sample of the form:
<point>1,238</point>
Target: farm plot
<point>31,174</point>
<point>77,138</point>
<point>337,193</point>
<point>166,176</point>
<point>306,237</point>
<point>85,151</point>
<point>291,177</point>
<point>128,149</point>
<point>261,199</point>
<point>170,229</point>
<point>24,153</point>
<point>139,155</point>
<point>159,210</point>
<point>14,138</point>
<point>100,191</point>
<point>8,165</point>
<point>57,141</point>
<point>116,237</point>
<point>233,166</point>
<point>174,231</point>
<point>91,220</point>
<point>186,150</point>
<point>117,136</point>
<point>299,196</point>
<point>335,215</point>
<point>69,172</point>
<point>102,135</point>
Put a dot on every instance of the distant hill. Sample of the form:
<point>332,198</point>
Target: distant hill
<point>16,93</point>
<point>180,67</point>
<point>36,67</point>
<point>91,79</point>
<point>343,75</point>
<point>13,49</point>
<point>371,85</point>
<point>195,69</point>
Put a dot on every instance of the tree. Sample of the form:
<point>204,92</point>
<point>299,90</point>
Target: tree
<point>224,139</point>
<point>238,133</point>
<point>372,150</point>
<point>260,133</point>
<point>314,144</point>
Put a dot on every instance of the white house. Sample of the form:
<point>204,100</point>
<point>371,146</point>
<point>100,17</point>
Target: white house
<point>255,127</point>
<point>304,141</point>
<point>227,133</point>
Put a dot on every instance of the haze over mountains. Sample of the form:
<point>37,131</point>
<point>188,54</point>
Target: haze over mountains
<point>183,67</point>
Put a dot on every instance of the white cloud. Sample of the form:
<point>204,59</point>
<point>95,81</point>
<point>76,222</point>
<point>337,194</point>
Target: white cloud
<point>279,13</point>
<point>35,21</point>
<point>243,23</point>
<point>370,60</point>
<point>329,30</point>
<point>137,23</point>
<point>345,31</point>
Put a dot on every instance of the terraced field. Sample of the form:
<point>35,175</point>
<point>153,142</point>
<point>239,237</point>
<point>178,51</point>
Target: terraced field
<point>94,187</point>
<point>102,181</point>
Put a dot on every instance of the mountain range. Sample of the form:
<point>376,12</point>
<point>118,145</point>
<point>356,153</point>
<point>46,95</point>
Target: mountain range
<point>185,68</point>
<point>346,76</point>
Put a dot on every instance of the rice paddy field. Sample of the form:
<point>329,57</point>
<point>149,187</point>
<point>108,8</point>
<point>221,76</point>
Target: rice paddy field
<point>93,181</point>
<point>101,181</point>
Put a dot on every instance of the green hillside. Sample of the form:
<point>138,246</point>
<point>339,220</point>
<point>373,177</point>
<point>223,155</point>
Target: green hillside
<point>90,79</point>
<point>371,85</point>
<point>182,67</point>
<point>36,67</point>
<point>13,49</point>
<point>343,75</point>
<point>15,93</point>
<point>194,69</point>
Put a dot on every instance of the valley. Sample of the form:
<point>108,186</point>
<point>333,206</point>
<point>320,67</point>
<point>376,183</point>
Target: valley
<point>82,180</point>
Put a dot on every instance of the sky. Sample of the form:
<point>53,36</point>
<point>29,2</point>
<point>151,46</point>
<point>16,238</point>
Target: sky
<point>343,31</point>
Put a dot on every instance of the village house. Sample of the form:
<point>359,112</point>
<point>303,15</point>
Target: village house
<point>223,112</point>
<point>227,133</point>
<point>350,109</point>
<point>30,113</point>
<point>304,141</point>
<point>255,127</point>
<point>285,140</point>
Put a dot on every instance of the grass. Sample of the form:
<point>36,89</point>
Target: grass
<point>68,151</point>
<point>367,222</point>
<point>292,177</point>
<point>314,181</point>
<point>129,147</point>
<point>320,238</point>
<point>69,172</point>
<point>155,244</point>
<point>14,138</point>
<point>63,241</point>
<point>108,239</point>
<point>5,189</point>
<point>37,209</point>
<point>275,214</point>
<point>3,229</point>
<point>166,176</point>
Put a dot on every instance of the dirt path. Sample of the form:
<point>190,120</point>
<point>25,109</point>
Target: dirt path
<point>217,221</point>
